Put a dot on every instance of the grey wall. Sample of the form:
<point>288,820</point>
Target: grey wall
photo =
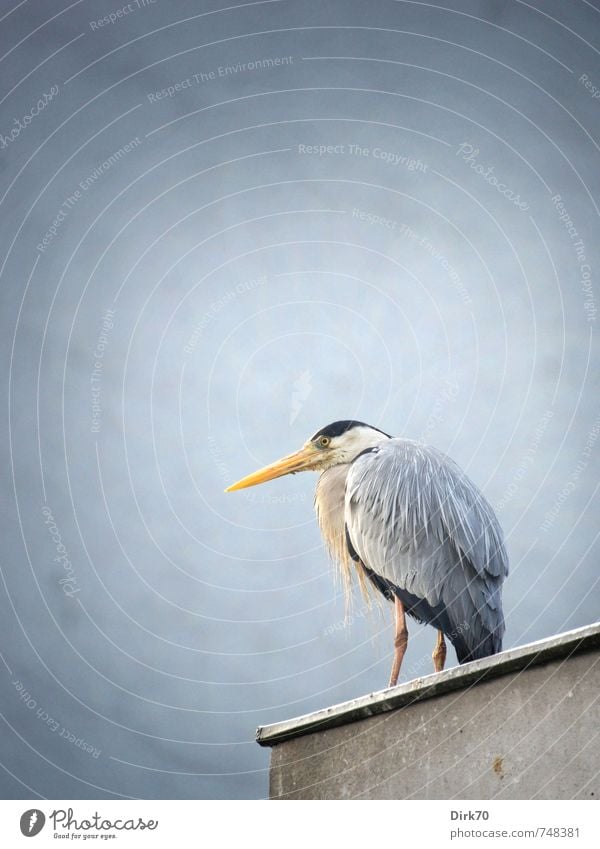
<point>148,615</point>
<point>530,734</point>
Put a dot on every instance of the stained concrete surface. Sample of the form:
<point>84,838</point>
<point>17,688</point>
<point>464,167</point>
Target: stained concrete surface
<point>530,733</point>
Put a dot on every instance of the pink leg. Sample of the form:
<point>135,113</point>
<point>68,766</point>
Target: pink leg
<point>439,652</point>
<point>400,642</point>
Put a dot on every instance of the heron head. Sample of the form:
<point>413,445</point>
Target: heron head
<point>340,442</point>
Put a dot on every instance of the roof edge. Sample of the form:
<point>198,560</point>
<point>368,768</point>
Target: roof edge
<point>561,646</point>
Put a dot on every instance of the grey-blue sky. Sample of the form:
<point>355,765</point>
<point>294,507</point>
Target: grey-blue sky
<point>340,209</point>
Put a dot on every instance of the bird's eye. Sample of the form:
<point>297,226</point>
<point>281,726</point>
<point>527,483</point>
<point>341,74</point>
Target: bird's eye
<point>323,441</point>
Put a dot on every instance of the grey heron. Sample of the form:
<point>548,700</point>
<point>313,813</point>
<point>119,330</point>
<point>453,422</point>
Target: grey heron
<point>411,522</point>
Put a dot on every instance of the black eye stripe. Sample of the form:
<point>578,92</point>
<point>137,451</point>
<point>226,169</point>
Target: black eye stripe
<point>338,428</point>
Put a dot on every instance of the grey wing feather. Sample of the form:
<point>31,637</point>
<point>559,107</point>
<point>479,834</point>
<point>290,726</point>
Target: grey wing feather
<point>415,519</point>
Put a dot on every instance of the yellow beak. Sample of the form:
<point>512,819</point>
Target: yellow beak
<point>300,461</point>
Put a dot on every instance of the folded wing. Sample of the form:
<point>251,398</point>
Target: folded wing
<point>427,534</point>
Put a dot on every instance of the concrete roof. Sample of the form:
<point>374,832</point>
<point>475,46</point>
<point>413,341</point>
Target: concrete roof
<point>429,686</point>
